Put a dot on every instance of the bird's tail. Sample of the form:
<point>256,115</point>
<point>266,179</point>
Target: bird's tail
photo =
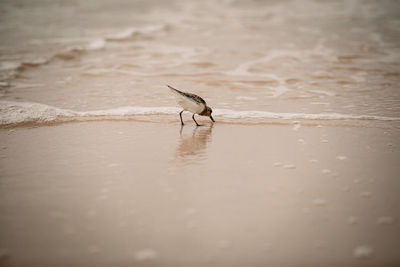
<point>174,90</point>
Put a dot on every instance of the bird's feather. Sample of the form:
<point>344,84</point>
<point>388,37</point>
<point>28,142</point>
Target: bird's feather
<point>189,102</point>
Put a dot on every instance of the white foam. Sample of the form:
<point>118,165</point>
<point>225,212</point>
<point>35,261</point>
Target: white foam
<point>131,111</point>
<point>130,32</point>
<point>96,44</point>
<point>319,103</point>
<point>76,50</point>
<point>14,113</point>
<point>122,34</point>
<point>247,98</point>
<point>254,114</point>
<point>20,112</point>
<point>278,91</point>
<point>326,171</point>
<point>244,68</point>
<point>322,92</point>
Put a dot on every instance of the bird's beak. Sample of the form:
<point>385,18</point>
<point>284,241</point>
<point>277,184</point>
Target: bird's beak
<point>212,118</point>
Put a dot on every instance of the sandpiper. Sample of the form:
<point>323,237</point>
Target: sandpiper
<point>192,103</point>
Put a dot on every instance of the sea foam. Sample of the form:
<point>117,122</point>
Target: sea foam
<point>11,68</point>
<point>17,113</point>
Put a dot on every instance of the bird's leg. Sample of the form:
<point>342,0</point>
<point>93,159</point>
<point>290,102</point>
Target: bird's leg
<point>195,120</point>
<point>180,115</point>
<point>212,118</point>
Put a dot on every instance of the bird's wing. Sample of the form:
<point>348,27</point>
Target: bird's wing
<point>188,101</point>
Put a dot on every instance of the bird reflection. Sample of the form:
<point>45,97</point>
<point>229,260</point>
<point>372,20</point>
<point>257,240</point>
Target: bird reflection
<point>192,146</point>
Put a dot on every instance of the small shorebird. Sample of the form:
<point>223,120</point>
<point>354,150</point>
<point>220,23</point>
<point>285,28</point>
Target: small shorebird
<point>192,103</point>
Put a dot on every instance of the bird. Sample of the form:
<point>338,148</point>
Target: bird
<point>192,103</point>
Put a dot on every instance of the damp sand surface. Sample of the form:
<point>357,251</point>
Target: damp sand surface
<point>131,193</point>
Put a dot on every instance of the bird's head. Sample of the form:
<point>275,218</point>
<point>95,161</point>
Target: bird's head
<point>208,113</point>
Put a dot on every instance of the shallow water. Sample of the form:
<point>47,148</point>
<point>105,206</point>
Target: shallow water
<point>308,57</point>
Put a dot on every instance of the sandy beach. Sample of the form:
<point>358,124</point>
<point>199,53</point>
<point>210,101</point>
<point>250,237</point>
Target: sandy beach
<point>300,169</point>
<point>153,194</point>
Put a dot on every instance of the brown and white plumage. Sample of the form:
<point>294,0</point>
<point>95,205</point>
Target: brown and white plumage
<point>192,103</point>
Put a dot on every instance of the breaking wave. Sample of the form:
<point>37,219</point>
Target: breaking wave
<point>145,32</point>
<point>20,113</point>
<point>74,52</point>
<point>16,113</point>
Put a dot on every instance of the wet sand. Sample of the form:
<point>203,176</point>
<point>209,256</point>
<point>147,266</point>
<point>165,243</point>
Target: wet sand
<point>152,194</point>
